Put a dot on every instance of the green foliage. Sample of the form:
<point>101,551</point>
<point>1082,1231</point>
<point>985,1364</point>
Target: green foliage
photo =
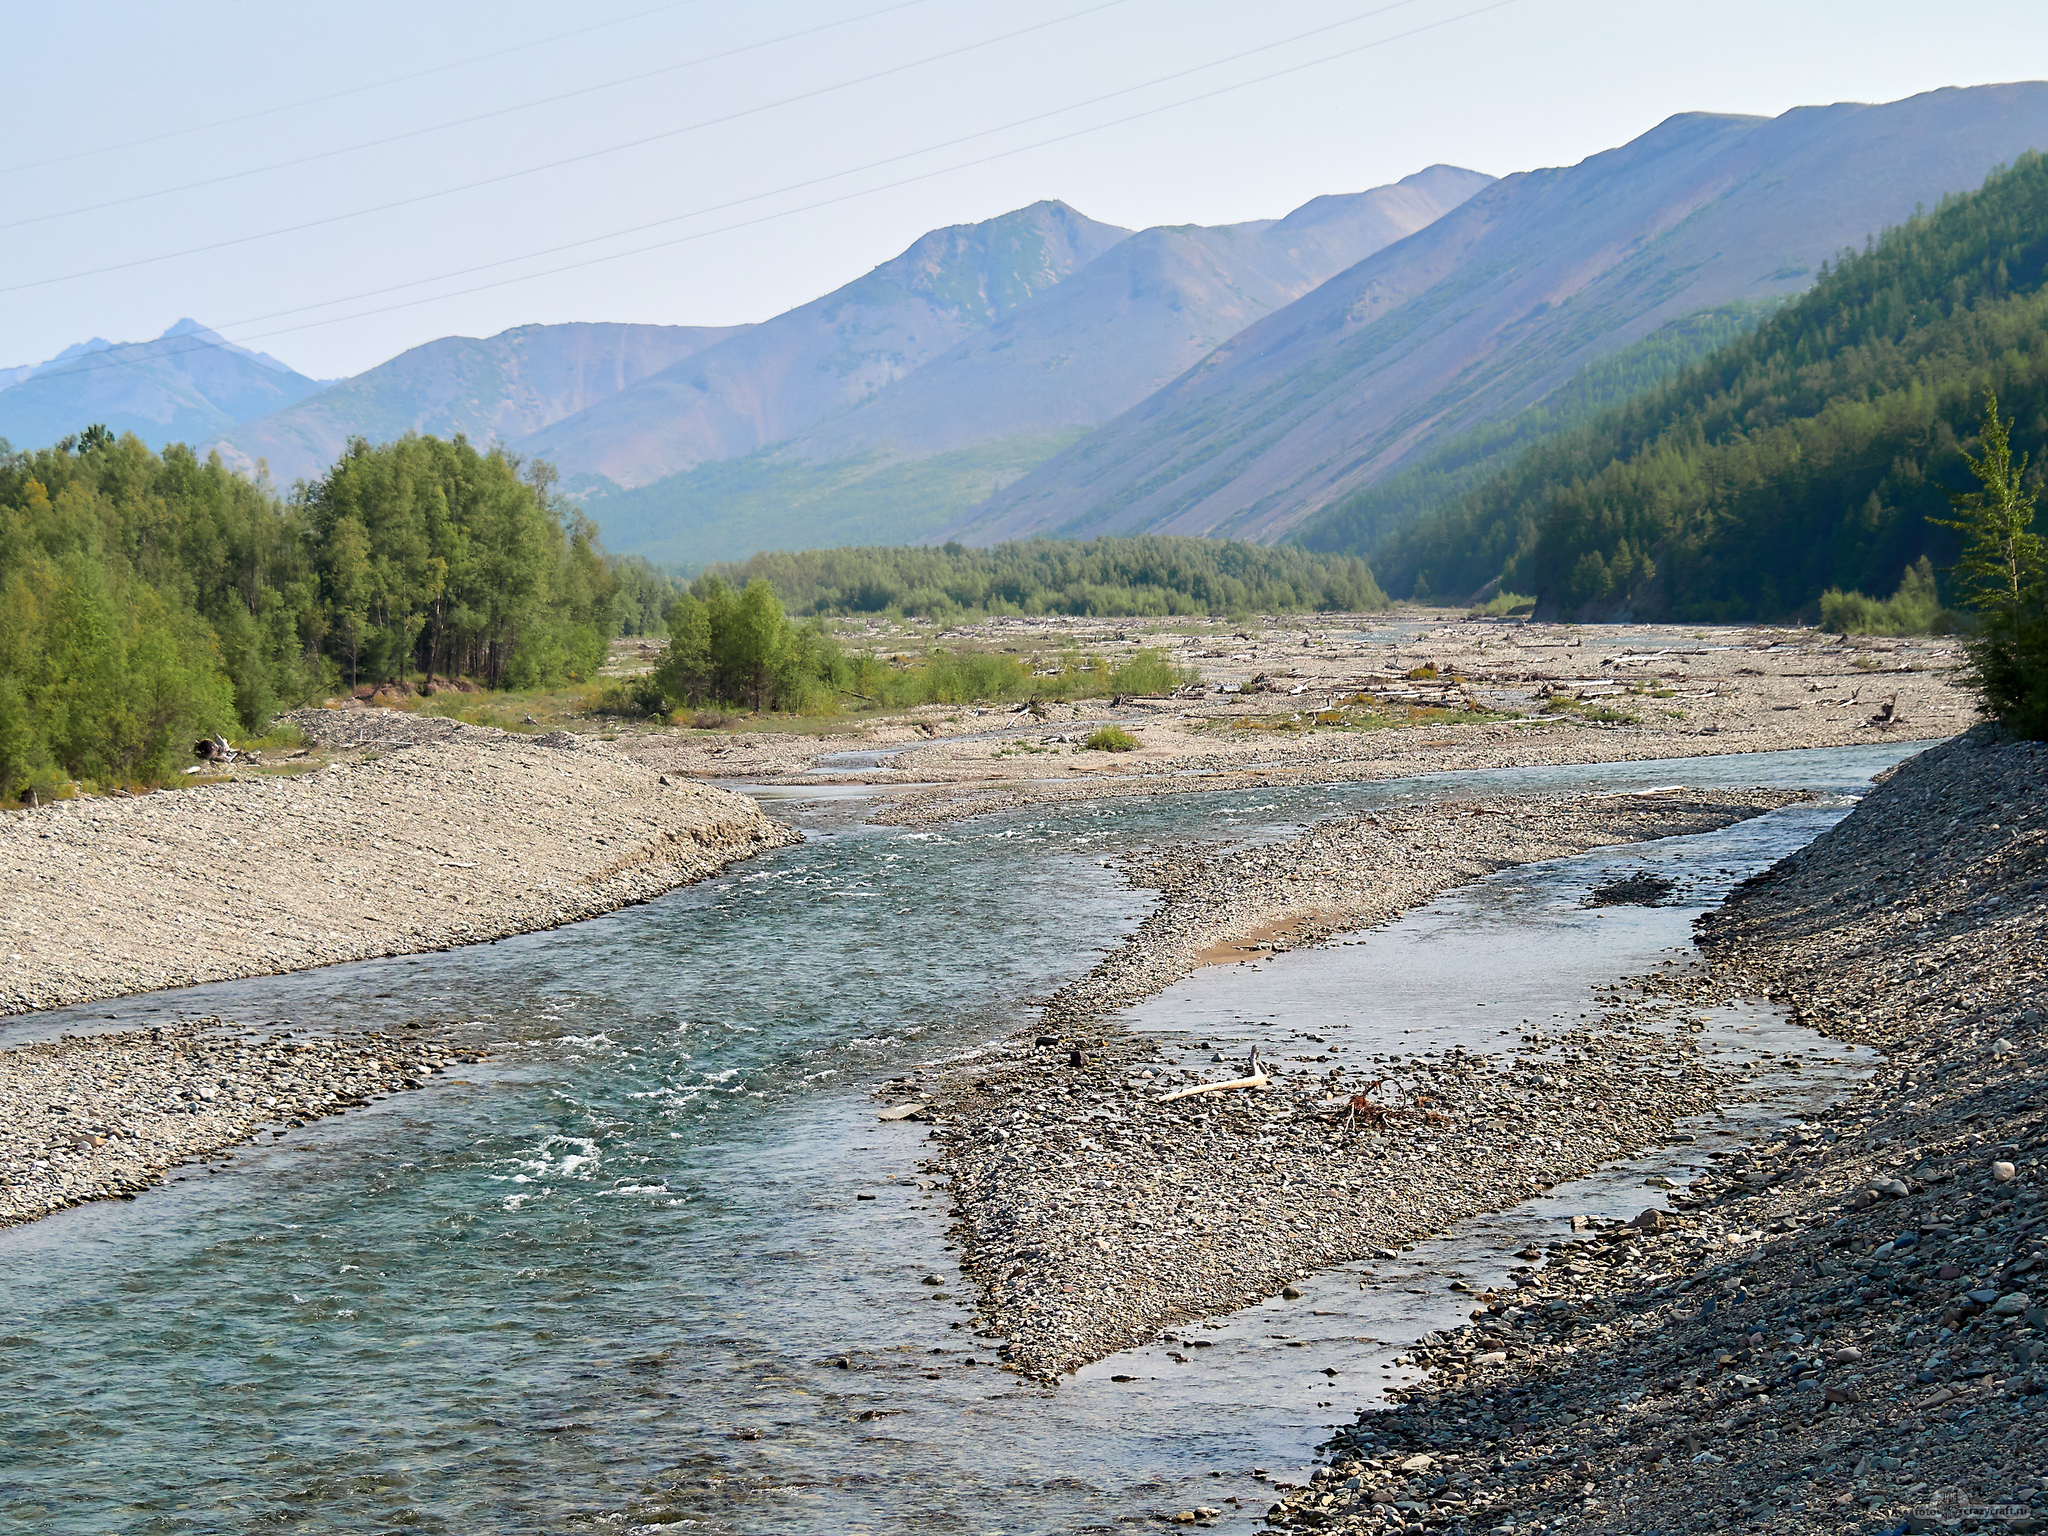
<point>1503,603</point>
<point>1151,576</point>
<point>739,647</point>
<point>147,600</point>
<point>1149,671</point>
<point>2008,665</point>
<point>1441,484</point>
<point>2001,555</point>
<point>1110,738</point>
<point>1807,455</point>
<point>1915,609</point>
<point>2006,576</point>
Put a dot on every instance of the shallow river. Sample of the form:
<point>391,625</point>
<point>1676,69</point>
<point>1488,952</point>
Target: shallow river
<point>603,1281</point>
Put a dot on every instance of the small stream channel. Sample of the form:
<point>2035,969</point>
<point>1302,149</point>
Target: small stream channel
<point>606,1281</point>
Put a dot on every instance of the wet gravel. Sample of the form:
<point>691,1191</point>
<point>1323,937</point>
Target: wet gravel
<point>1842,1329</point>
<point>1092,1215</point>
<point>99,1117</point>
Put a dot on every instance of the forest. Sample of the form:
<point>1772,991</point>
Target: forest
<point>148,600</point>
<point>1151,576</point>
<point>1366,519</point>
<point>1807,455</point>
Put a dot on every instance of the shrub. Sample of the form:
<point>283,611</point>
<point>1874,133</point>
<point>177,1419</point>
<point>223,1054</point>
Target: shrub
<point>1915,609</point>
<point>1110,738</point>
<point>1149,671</point>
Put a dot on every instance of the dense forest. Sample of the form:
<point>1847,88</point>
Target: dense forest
<point>146,600</point>
<point>1148,576</point>
<point>1363,521</point>
<point>1805,456</point>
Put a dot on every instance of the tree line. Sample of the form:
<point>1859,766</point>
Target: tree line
<point>147,600</point>
<point>1817,452</point>
<point>1150,576</point>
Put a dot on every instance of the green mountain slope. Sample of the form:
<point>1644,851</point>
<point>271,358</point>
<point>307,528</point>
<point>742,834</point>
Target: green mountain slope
<point>1804,456</point>
<point>1381,513</point>
<point>727,509</point>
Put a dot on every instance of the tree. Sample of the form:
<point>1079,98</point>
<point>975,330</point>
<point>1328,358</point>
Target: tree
<point>2002,555</point>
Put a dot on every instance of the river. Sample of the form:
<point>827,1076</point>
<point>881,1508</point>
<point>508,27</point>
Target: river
<point>605,1281</point>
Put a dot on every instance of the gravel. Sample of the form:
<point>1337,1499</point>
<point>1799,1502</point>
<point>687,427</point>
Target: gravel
<point>98,1117</point>
<point>1091,1215</point>
<point>1845,1329</point>
<point>441,834</point>
<point>432,834</point>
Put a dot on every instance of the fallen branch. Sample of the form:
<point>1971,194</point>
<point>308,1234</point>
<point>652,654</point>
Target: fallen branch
<point>1257,1080</point>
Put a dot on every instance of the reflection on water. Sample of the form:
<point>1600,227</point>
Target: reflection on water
<point>622,1275</point>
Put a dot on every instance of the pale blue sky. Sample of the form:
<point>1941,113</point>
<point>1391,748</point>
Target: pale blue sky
<point>1499,87</point>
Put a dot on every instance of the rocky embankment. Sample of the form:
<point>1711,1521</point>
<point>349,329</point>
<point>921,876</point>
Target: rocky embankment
<point>1843,1330</point>
<point>432,834</point>
<point>99,1117</point>
<point>1092,1214</point>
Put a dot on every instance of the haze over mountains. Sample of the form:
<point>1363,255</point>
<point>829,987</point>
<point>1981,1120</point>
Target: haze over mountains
<point>1044,372</point>
<point>185,386</point>
<point>1499,303</point>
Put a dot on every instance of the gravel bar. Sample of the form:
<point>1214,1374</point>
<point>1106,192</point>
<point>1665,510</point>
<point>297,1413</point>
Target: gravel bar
<point>100,1117</point>
<point>1845,1329</point>
<point>435,834</point>
<point>1091,1215</point>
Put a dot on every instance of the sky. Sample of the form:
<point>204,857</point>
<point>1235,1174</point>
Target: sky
<point>334,185</point>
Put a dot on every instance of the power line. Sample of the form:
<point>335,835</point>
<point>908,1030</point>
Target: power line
<point>353,90</point>
<point>800,186</point>
<point>886,186</point>
<point>552,165</point>
<point>1154,111</point>
<point>479,117</point>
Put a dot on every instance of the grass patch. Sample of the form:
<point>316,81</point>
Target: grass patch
<point>1582,709</point>
<point>1110,738</point>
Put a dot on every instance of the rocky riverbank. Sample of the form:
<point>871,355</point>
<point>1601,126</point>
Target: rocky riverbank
<point>1845,1329</point>
<point>1092,1214</point>
<point>422,834</point>
<point>100,1117</point>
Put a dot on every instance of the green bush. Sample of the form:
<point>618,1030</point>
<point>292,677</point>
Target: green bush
<point>1110,738</point>
<point>1149,671</point>
<point>2008,666</point>
<point>1915,609</point>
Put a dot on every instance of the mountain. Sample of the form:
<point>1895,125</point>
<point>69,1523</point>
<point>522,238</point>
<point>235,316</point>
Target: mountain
<point>493,389</point>
<point>785,374</point>
<point>1494,306</point>
<point>897,462</point>
<point>1809,454</point>
<point>185,386</point>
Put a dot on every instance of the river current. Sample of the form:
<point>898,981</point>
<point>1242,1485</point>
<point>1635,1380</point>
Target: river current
<point>606,1280</point>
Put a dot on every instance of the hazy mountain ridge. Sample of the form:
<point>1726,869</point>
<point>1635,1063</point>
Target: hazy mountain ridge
<point>491,389</point>
<point>1493,306</point>
<point>186,385</point>
<point>927,446</point>
<point>787,373</point>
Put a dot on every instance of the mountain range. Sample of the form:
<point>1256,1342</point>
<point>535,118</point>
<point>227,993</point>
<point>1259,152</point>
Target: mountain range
<point>185,386</point>
<point>1042,372</point>
<point>1495,306</point>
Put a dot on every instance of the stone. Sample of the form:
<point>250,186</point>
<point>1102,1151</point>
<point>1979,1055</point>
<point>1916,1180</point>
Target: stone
<point>2004,1173</point>
<point>2012,1305</point>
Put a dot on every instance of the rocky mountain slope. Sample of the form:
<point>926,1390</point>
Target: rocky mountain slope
<point>784,375</point>
<point>1498,303</point>
<point>932,442</point>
